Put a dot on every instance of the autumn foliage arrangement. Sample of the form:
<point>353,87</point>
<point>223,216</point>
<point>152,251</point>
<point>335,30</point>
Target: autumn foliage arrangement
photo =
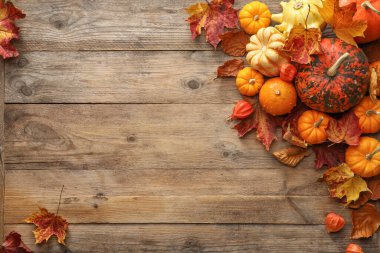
<point>322,92</point>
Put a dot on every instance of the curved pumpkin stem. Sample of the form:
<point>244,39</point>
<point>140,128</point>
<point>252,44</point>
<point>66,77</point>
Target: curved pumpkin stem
<point>370,156</point>
<point>319,122</point>
<point>332,71</point>
<point>372,112</point>
<point>367,4</point>
<point>252,81</point>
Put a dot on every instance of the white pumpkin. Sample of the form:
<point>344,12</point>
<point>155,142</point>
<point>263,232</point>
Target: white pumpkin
<point>264,51</point>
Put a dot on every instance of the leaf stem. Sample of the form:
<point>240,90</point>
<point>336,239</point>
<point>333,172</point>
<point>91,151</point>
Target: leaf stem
<point>367,4</point>
<point>370,156</point>
<point>372,112</point>
<point>319,122</point>
<point>332,71</point>
<point>60,198</point>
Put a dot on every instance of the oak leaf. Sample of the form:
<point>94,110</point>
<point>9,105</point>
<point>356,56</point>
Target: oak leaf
<point>343,183</point>
<point>374,186</point>
<point>341,20</point>
<point>14,244</point>
<point>48,224</point>
<point>230,68</point>
<point>329,154</point>
<point>346,129</point>
<point>291,156</point>
<point>374,85</point>
<point>213,17</point>
<point>302,43</point>
<point>264,123</point>
<point>8,29</point>
<point>234,42</point>
<point>365,221</point>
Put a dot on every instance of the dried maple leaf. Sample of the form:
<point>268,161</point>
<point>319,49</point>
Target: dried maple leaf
<point>343,183</point>
<point>234,42</point>
<point>48,224</point>
<point>291,156</point>
<point>230,68</point>
<point>213,17</point>
<point>341,20</point>
<point>329,154</point>
<point>373,87</point>
<point>302,43</point>
<point>363,198</point>
<point>374,186</point>
<point>14,244</point>
<point>346,129</point>
<point>365,221</point>
<point>8,29</point>
<point>264,124</point>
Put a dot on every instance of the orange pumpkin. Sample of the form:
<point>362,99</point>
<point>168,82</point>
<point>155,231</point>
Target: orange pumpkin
<point>249,81</point>
<point>253,16</point>
<point>368,113</point>
<point>277,97</point>
<point>364,159</point>
<point>312,126</point>
<point>369,12</point>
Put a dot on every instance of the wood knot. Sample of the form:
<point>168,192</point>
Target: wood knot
<point>193,84</point>
<point>59,21</point>
<point>22,62</point>
<point>131,138</point>
<point>26,90</point>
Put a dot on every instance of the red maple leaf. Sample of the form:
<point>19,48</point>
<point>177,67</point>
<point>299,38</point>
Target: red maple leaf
<point>264,123</point>
<point>8,29</point>
<point>230,68</point>
<point>329,154</point>
<point>48,224</point>
<point>14,244</point>
<point>213,17</point>
<point>346,129</point>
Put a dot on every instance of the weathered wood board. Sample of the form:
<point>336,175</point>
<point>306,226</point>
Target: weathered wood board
<point>115,101</point>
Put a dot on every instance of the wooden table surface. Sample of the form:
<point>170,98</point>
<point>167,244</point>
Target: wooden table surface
<point>113,99</point>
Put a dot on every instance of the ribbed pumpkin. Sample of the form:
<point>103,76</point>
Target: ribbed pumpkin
<point>368,11</point>
<point>364,160</point>
<point>335,80</point>
<point>368,114</point>
<point>249,81</point>
<point>264,51</point>
<point>253,16</point>
<point>312,125</point>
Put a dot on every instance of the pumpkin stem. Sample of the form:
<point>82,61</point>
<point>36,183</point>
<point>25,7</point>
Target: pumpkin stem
<point>256,17</point>
<point>370,156</point>
<point>372,112</point>
<point>319,122</point>
<point>277,92</point>
<point>367,4</point>
<point>332,71</point>
<point>252,81</point>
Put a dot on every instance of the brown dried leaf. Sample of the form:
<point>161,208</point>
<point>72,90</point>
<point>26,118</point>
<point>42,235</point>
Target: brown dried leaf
<point>363,198</point>
<point>230,68</point>
<point>372,50</point>
<point>329,154</point>
<point>346,129</point>
<point>374,186</point>
<point>373,87</point>
<point>293,139</point>
<point>291,156</point>
<point>365,221</point>
<point>234,42</point>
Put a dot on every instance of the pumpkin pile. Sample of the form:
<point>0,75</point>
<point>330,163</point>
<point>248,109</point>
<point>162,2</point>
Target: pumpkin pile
<point>321,91</point>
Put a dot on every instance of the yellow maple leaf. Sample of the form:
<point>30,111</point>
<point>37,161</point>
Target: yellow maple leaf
<point>351,189</point>
<point>341,20</point>
<point>197,10</point>
<point>338,174</point>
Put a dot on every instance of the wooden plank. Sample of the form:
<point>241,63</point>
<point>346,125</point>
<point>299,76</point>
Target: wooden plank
<point>130,136</point>
<point>198,238</point>
<point>61,25</point>
<point>118,77</point>
<point>2,167</point>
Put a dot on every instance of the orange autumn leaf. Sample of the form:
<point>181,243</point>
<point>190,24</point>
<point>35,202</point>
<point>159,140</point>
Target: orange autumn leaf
<point>365,221</point>
<point>230,68</point>
<point>302,43</point>
<point>8,29</point>
<point>341,20</point>
<point>14,244</point>
<point>234,42</point>
<point>48,224</point>
<point>373,86</point>
<point>291,156</point>
<point>213,17</point>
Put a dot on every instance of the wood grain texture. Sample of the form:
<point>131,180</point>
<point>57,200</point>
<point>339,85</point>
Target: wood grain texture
<point>199,238</point>
<point>2,166</point>
<point>118,77</point>
<point>130,136</point>
<point>60,25</point>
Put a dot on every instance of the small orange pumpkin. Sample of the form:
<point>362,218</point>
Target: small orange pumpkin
<point>312,126</point>
<point>249,81</point>
<point>277,97</point>
<point>364,159</point>
<point>368,113</point>
<point>253,16</point>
